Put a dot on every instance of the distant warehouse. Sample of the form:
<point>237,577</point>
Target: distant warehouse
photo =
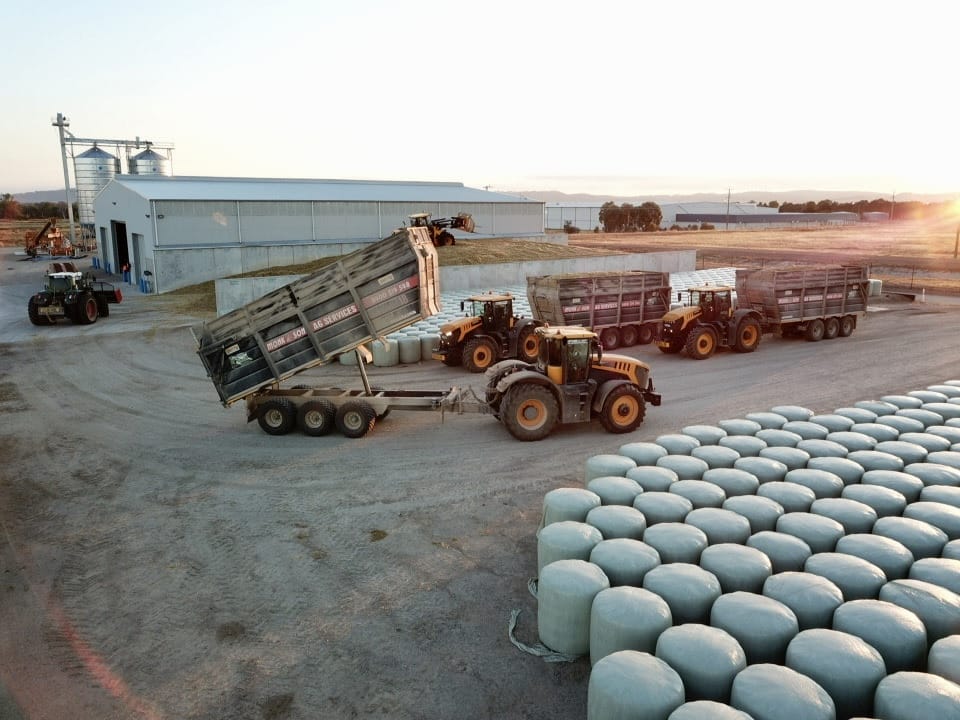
<point>179,231</point>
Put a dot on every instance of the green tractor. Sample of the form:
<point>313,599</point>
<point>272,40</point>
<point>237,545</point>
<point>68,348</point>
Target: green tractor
<point>70,294</point>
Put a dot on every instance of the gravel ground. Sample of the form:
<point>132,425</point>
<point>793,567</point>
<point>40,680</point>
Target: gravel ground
<point>161,558</point>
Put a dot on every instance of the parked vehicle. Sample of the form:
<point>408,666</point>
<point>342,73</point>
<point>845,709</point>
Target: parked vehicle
<point>69,293</point>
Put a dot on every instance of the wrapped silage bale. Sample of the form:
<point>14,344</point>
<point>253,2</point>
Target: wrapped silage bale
<point>744,445</point>
<point>921,538</point>
<point>950,458</point>
<point>662,507</point>
<point>931,473</point>
<point>716,456</point>
<point>676,542</point>
<point>688,589</point>
<point>429,341</point>
<point>892,557</point>
<point>832,422</point>
<point>824,484</point>
<point>642,453</point>
<point>944,658</point>
<point>409,349</point>
<point>854,516</point>
<point>626,618</point>
<point>386,353</point>
<point>615,489</point>
<point>763,626</point>
<point>767,420</point>
<point>951,550</point>
<point>565,594</point>
<point>842,664</point>
<point>820,533</point>
<point>858,579</point>
<point>806,429</point>
<point>793,458</point>
<point>941,494</point>
<point>778,438</point>
<point>923,415</point>
<point>617,521</point>
<point>705,434</point>
<point>853,440</point>
<point>719,525</point>
<point>607,464</point>
<point>775,692</point>
<point>911,695</point>
<point>568,504</point>
<point>631,684</point>
<point>740,426</point>
<point>847,470</point>
<point>732,481</point>
<point>699,492</point>
<point>947,432</point>
<point>786,552</point>
<point>901,423</point>
<point>565,540</point>
<point>686,467</point>
<point>903,401</point>
<point>902,482</point>
<point>677,443</point>
<point>793,412</point>
<point>928,441</point>
<point>884,501</point>
<point>950,391</point>
<point>764,469</point>
<point>760,512</point>
<point>877,407</point>
<point>907,451</point>
<point>944,572</point>
<point>937,607</point>
<point>706,658</point>
<point>820,448</point>
<point>858,415</point>
<point>624,561</point>
<point>812,598</point>
<point>940,515</point>
<point>707,710</point>
<point>790,496</point>
<point>874,460</point>
<point>652,478</point>
<point>895,632</point>
<point>737,567</point>
<point>928,396</point>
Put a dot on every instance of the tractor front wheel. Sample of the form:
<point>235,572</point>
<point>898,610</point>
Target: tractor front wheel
<point>701,343</point>
<point>529,411</point>
<point>478,355</point>
<point>623,410</point>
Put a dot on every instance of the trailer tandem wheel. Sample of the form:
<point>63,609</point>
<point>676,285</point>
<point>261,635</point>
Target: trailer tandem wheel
<point>847,324</point>
<point>317,417</point>
<point>355,419</point>
<point>831,328</point>
<point>278,416</point>
<point>630,335</point>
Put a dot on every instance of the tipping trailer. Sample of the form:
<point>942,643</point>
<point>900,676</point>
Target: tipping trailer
<point>623,308</point>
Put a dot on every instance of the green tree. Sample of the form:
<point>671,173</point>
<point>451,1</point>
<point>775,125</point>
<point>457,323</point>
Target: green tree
<point>9,208</point>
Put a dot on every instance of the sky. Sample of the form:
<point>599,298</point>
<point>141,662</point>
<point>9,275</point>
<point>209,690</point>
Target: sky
<point>603,97</point>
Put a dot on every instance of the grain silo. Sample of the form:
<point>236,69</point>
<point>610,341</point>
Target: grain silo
<point>93,170</point>
<point>149,162</point>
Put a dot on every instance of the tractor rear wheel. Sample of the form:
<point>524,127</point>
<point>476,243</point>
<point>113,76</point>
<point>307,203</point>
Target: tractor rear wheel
<point>630,335</point>
<point>278,416</point>
<point>317,417</point>
<point>610,338</point>
<point>529,411</point>
<point>748,336</point>
<point>355,419</point>
<point>623,410</point>
<point>478,355</point>
<point>701,343</point>
<point>87,309</point>
<point>847,324</point>
<point>528,345</point>
<point>831,328</point>
<point>815,330</point>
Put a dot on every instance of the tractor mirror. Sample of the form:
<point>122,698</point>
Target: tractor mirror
<point>462,306</point>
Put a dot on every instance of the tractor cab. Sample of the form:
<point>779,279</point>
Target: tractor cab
<point>495,311</point>
<point>715,302</point>
<point>567,353</point>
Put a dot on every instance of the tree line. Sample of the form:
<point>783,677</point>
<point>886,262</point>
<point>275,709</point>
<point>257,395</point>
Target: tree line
<point>11,209</point>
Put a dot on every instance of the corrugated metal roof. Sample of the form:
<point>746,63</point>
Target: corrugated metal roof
<point>158,187</point>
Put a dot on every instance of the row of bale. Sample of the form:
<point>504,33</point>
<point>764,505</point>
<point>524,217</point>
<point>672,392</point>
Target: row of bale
<point>785,565</point>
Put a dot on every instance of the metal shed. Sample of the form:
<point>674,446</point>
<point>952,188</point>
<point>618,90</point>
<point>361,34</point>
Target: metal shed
<point>180,231</point>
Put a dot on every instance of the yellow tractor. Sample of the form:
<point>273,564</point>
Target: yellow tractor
<point>572,381</point>
<point>709,321</point>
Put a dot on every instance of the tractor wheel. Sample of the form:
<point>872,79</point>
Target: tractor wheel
<point>355,419</point>
<point>672,347</point>
<point>528,345</point>
<point>623,410</point>
<point>847,324</point>
<point>316,417</point>
<point>610,338</point>
<point>33,313</point>
<point>831,328</point>
<point>478,355</point>
<point>529,411</point>
<point>701,343</point>
<point>447,238</point>
<point>277,416</point>
<point>815,330</point>
<point>748,336</point>
<point>87,310</point>
<point>646,334</point>
<point>630,335</point>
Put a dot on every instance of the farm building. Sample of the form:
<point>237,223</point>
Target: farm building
<point>179,231</point>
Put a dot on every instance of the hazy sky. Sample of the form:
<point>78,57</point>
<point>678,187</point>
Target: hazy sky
<point>605,96</point>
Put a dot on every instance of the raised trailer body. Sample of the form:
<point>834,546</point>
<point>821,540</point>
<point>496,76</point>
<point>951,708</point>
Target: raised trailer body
<point>623,308</point>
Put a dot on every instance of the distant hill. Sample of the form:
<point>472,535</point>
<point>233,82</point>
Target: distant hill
<point>38,196</point>
<point>793,196</point>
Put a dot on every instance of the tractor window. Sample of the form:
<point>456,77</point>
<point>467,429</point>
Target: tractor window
<point>578,353</point>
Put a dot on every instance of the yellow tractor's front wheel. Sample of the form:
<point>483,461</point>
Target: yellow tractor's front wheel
<point>701,343</point>
<point>478,355</point>
<point>623,410</point>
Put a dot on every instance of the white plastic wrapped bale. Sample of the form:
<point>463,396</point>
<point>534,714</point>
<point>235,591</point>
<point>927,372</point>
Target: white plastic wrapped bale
<point>793,413</point>
<point>618,521</point>
<point>763,626</point>
<point>790,496</point>
<point>624,561</point>
<point>884,501</point>
<point>907,451</point>
<point>858,579</point>
<point>699,492</point>
<point>944,572</point>
<point>912,695</point>
<point>812,598</point>
<point>706,658</point>
<point>737,567</point>
<point>793,458</point>
<point>951,550</point>
<point>631,684</point>
<point>429,341</point>
<point>565,540</point>
<point>895,632</point>
<point>931,473</point>
<point>653,479</point>
<point>847,470</point>
<point>854,516</point>
<point>901,423</point>
<point>844,665</point>
<point>716,456</point>
<point>767,420</point>
<point>786,552</point>
<point>941,494</point>
<point>707,710</point>
<point>615,489</point>
<point>940,515</point>
<point>676,542</point>
<point>950,391</point>
<point>719,525</point>
<point>928,441</point>
<point>877,407</point>
<point>745,445</point>
<point>904,483</point>
<point>626,618</point>
<point>732,481</point>
<point>858,415</point>
<point>688,589</point>
<point>832,422</point>
<point>875,460</point>
<point>877,431</point>
<point>686,467</point>
<point>775,692</point>
<point>923,415</point>
<point>705,434</point>
<point>823,483</point>
<point>921,538</point>
<point>774,437</point>
<point>763,468</point>
<point>662,507</point>
<point>820,448</point>
<point>568,504</point>
<point>409,349</point>
<point>677,443</point>
<point>642,453</point>
<point>565,594</point>
<point>740,426</point>
<point>937,607</point>
<point>944,658</point>
<point>607,464</point>
<point>386,353</point>
<point>853,440</point>
<point>820,533</point>
<point>948,432</point>
<point>891,556</point>
<point>760,512</point>
<point>806,430</point>
<point>903,401</point>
